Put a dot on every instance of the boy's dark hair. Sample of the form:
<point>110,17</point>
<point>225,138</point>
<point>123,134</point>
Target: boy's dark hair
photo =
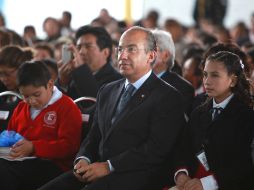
<point>33,73</point>
<point>103,39</point>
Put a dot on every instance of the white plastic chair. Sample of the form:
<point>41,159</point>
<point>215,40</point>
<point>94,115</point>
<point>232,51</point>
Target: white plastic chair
<point>11,93</point>
<point>86,117</point>
<point>4,114</point>
<point>85,99</point>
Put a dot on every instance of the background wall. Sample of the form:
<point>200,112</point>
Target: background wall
<point>20,13</point>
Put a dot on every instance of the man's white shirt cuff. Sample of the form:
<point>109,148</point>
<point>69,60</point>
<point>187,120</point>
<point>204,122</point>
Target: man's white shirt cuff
<point>209,183</point>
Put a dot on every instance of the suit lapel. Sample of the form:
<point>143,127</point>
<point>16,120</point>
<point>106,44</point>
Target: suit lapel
<point>166,76</point>
<point>139,97</point>
<point>206,117</point>
<point>115,95</point>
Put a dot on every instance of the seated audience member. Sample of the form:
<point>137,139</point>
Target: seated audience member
<point>91,66</point>
<point>163,63</point>
<point>29,35</point>
<point>192,72</point>
<point>231,47</point>
<point>176,29</point>
<point>11,58</point>
<point>43,51</point>
<point>137,123</point>
<point>65,22</point>
<point>51,126</point>
<point>220,132</point>
<point>52,28</point>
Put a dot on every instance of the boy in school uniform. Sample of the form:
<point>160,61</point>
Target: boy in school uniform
<point>50,123</point>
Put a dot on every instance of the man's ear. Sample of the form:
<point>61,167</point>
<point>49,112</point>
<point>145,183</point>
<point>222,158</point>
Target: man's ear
<point>166,56</point>
<point>106,52</point>
<point>152,56</point>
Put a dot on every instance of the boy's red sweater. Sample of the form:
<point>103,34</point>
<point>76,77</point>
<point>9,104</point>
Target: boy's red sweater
<point>55,132</point>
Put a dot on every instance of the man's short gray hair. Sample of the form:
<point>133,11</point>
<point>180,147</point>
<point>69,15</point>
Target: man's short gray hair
<point>165,42</point>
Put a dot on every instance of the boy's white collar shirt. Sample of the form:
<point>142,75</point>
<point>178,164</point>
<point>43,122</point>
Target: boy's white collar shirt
<point>57,94</point>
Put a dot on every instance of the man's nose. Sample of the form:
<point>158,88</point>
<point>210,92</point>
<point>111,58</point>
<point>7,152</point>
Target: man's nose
<point>123,54</point>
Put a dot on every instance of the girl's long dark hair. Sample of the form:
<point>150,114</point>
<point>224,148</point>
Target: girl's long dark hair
<point>235,67</point>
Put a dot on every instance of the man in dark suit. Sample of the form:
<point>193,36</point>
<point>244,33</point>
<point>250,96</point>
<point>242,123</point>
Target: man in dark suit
<point>129,149</point>
<point>91,67</point>
<point>163,64</point>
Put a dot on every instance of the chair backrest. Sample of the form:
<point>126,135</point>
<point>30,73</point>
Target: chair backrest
<point>6,108</point>
<point>11,93</point>
<point>87,108</point>
<point>85,99</point>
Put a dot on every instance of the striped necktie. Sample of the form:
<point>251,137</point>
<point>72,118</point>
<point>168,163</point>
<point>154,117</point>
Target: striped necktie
<point>216,112</point>
<point>124,100</point>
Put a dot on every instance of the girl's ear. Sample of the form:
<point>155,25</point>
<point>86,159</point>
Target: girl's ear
<point>234,81</point>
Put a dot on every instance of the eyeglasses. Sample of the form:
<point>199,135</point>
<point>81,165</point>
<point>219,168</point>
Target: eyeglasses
<point>7,74</point>
<point>130,49</point>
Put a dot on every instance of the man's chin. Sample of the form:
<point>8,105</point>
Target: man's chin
<point>123,72</point>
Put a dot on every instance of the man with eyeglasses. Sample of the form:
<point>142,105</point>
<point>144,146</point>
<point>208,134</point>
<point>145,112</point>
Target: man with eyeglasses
<point>137,123</point>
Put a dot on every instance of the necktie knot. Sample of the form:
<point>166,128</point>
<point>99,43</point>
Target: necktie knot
<point>129,90</point>
<point>216,111</point>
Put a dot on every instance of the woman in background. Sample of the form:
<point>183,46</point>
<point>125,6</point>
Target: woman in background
<point>11,57</point>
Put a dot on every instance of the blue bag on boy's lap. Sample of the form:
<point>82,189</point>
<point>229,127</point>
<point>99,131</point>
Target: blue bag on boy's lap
<point>9,138</point>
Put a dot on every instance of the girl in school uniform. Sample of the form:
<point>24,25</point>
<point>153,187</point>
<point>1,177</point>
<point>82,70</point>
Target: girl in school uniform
<point>217,154</point>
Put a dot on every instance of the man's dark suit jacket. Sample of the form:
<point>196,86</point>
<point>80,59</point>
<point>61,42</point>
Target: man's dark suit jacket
<point>141,139</point>
<point>226,141</point>
<point>84,83</point>
<point>183,86</point>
